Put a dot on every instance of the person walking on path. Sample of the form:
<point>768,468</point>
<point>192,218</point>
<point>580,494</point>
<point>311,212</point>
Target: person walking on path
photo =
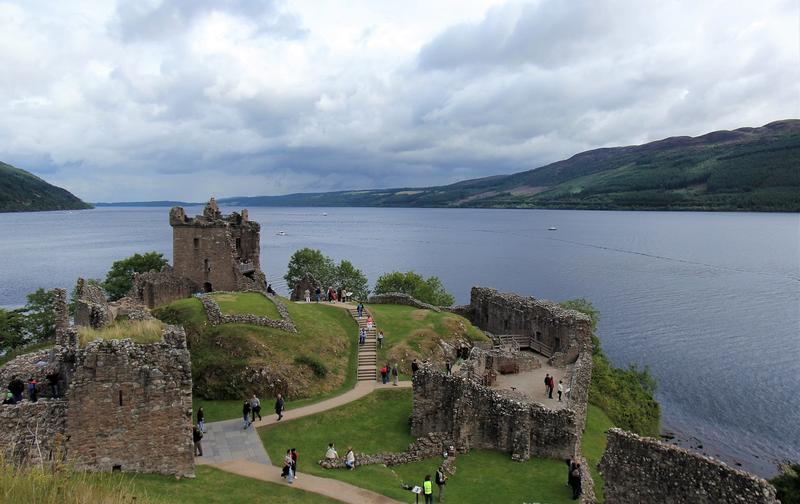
<point>414,367</point>
<point>394,374</point>
<point>197,437</point>
<point>331,454</point>
<point>32,392</point>
<point>350,459</point>
<point>362,336</point>
<point>255,408</point>
<point>318,292</point>
<point>380,339</point>
<point>551,387</point>
<point>307,296</point>
<point>575,482</point>
<point>246,413</point>
<point>370,322</point>
<point>560,389</point>
<point>441,479</point>
<point>294,462</point>
<point>360,309</point>
<point>279,406</point>
<point>427,489</point>
<point>16,387</point>
<point>287,467</point>
<point>547,384</point>
<point>201,419</point>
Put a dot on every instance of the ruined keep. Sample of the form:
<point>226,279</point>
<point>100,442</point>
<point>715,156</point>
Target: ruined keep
<point>465,407</point>
<point>156,288</point>
<point>121,405</point>
<point>217,252</point>
<point>638,469</point>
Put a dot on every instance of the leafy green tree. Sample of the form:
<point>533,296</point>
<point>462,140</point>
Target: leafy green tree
<point>312,261</point>
<point>12,329</point>
<point>120,277</point>
<point>39,314</point>
<point>788,484</point>
<point>428,290</point>
<point>351,279</point>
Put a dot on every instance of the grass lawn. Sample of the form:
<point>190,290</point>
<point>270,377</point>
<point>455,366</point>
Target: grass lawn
<point>379,422</point>
<point>144,331</point>
<point>413,333</point>
<point>594,444</point>
<point>211,486</point>
<point>246,302</point>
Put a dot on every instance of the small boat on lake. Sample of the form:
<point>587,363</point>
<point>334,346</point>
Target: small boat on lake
<point>552,228</point>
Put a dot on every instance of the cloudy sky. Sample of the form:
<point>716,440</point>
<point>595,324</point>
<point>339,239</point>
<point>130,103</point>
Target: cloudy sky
<point>182,99</point>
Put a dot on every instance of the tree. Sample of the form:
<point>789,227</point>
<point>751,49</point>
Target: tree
<point>312,261</point>
<point>788,483</point>
<point>40,318</point>
<point>428,290</point>
<point>351,279</point>
<point>120,277</point>
<point>12,329</point>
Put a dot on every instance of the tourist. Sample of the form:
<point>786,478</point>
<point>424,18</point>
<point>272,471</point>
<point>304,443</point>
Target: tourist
<point>570,467</point>
<point>350,459</point>
<point>448,366</point>
<point>360,309</point>
<point>394,374</point>
<point>551,387</point>
<point>270,291</point>
<point>197,436</point>
<point>414,367</point>
<point>427,489</point>
<point>9,398</point>
<point>560,389</point>
<point>32,392</point>
<point>287,467</point>
<point>201,419</point>
<point>331,454</point>
<point>294,462</point>
<point>547,384</point>
<point>279,406</point>
<point>370,322</point>
<point>384,375</point>
<point>441,479</point>
<point>362,336</point>
<point>255,408</point>
<point>575,482</point>
<point>318,293</point>
<point>16,387</point>
<point>246,413</point>
<point>380,339</point>
<point>307,296</point>
<point>52,378</point>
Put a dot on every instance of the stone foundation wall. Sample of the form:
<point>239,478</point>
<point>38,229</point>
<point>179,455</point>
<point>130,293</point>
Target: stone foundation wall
<point>398,298</point>
<point>431,446</point>
<point>474,416</point>
<point>215,316</point>
<point>33,432</point>
<point>637,469</point>
<point>130,406</point>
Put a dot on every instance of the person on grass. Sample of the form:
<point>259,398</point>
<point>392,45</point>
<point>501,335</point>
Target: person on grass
<point>350,459</point>
<point>427,489</point>
<point>441,479</point>
<point>331,454</point>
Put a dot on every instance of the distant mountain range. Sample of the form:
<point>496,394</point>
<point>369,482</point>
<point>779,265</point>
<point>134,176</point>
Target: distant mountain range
<point>21,191</point>
<point>753,169</point>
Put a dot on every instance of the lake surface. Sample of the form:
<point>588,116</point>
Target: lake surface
<point>709,301</point>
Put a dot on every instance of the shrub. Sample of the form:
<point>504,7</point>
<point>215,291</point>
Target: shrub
<point>428,290</point>
<point>316,366</point>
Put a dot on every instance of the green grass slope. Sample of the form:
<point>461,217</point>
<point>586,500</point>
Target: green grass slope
<point>21,191</point>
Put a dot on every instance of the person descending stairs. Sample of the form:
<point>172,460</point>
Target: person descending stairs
<point>368,352</point>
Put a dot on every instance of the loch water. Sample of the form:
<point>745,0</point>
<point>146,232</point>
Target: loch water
<point>710,302</point>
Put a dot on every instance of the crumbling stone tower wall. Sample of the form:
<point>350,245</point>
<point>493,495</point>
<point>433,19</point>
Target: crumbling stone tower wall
<point>475,416</point>
<point>637,469</point>
<point>129,406</point>
<point>157,288</point>
<point>91,305</point>
<point>217,252</point>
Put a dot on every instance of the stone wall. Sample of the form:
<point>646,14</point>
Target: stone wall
<point>157,288</point>
<point>217,252</point>
<point>308,282</point>
<point>130,406</point>
<point>637,469</point>
<point>91,305</point>
<point>398,298</point>
<point>216,317</point>
<point>33,432</point>
<point>431,446</point>
<point>474,416</point>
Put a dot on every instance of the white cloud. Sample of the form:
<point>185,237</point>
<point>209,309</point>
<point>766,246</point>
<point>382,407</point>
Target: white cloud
<point>171,99</point>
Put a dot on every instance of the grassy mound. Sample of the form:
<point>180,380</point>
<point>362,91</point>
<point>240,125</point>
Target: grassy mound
<point>593,444</point>
<point>379,422</point>
<point>145,331</point>
<point>231,361</point>
<point>411,333</point>
<point>246,302</point>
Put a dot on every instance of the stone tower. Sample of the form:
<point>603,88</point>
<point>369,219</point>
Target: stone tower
<point>217,252</point>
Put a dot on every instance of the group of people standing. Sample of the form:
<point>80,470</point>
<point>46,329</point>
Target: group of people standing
<point>289,471</point>
<point>387,370</point>
<point>17,387</point>
<point>549,385</point>
<point>427,486</point>
<point>332,295</point>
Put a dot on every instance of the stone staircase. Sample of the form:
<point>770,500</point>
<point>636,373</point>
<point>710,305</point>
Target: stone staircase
<point>368,352</point>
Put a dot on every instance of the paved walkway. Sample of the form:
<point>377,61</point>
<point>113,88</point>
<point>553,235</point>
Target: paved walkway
<point>228,440</point>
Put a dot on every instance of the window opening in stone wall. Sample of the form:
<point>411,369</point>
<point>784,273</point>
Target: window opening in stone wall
<point>207,287</point>
<point>557,343</point>
<point>538,336</point>
<point>196,243</point>
<point>120,398</point>
<point>239,245</point>
<point>206,265</point>
<point>505,324</point>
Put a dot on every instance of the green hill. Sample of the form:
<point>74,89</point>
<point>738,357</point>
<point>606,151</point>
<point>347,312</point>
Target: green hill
<point>21,191</point>
<point>754,169</point>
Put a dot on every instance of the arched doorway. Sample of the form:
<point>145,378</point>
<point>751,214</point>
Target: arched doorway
<point>207,287</point>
